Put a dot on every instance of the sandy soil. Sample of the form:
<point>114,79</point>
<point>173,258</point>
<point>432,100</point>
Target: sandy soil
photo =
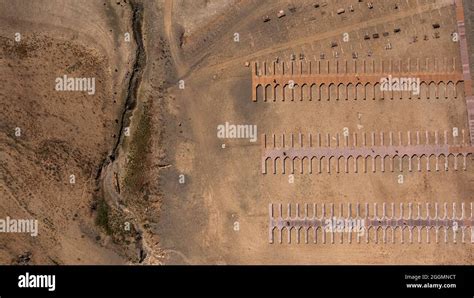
<point>62,133</point>
<point>224,185</point>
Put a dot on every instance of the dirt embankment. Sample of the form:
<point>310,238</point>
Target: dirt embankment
<point>119,220</point>
<point>132,178</point>
<point>52,143</point>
